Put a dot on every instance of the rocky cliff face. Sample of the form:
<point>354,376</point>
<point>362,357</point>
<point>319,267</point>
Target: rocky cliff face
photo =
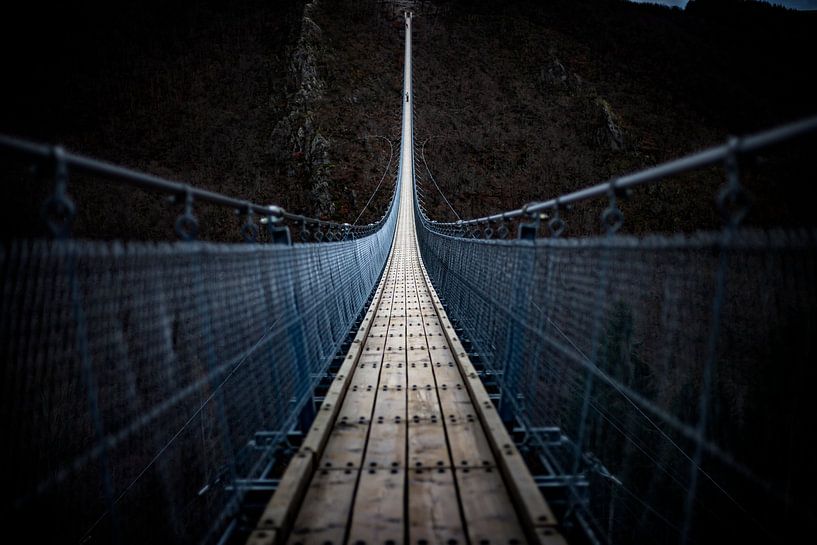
<point>296,140</point>
<point>344,78</point>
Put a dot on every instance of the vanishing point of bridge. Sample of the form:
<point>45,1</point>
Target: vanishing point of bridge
<point>407,446</point>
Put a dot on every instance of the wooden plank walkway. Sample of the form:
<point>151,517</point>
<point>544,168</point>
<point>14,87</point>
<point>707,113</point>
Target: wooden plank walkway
<point>407,447</point>
<point>415,453</point>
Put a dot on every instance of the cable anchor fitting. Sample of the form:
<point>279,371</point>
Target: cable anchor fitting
<point>317,235</point>
<point>249,231</point>
<point>488,232</point>
<point>187,226</point>
<point>556,225</point>
<point>529,230</point>
<point>612,217</point>
<point>58,210</point>
<point>732,199</point>
<point>503,231</point>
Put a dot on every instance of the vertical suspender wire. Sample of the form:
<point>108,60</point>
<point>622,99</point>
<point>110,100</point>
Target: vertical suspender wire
<point>606,255</point>
<point>93,399</point>
<point>728,232</point>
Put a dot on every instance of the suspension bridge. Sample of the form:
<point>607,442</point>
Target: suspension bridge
<point>410,381</point>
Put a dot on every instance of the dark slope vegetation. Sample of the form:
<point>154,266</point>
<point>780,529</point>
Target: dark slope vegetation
<point>526,98</point>
<point>521,101</point>
<point>181,89</point>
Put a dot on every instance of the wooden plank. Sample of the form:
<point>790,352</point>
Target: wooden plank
<point>390,403</point>
<point>433,507</point>
<point>368,370</point>
<point>387,435</point>
<point>262,537</point>
<point>387,438</point>
<point>412,306</point>
<point>386,447</point>
<point>319,430</point>
<point>466,440</point>
<point>427,445</point>
<point>336,395</point>
<point>359,405</point>
<point>468,444</point>
<point>439,352</point>
<point>423,403</point>
<point>447,372</point>
<point>414,327</point>
<point>377,517</point>
<point>488,512</point>
<point>382,326</point>
<point>431,322</point>
<point>435,338</point>
<point>345,446</point>
<point>386,444</point>
<point>396,336</point>
<point>372,356</point>
<point>395,345</point>
<point>325,511</point>
<point>455,402</point>
<point>420,360</point>
<point>393,375</point>
<point>399,325</point>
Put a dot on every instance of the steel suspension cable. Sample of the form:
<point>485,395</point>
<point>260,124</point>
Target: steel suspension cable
<point>431,176</point>
<point>385,172</point>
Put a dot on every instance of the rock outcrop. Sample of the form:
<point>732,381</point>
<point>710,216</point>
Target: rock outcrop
<point>297,141</point>
<point>606,127</point>
<point>609,134</point>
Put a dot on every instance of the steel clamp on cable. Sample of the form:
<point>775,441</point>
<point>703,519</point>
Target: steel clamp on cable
<point>249,231</point>
<point>530,229</point>
<point>503,230</point>
<point>460,229</point>
<point>488,232</point>
<point>187,226</point>
<point>317,235</point>
<point>58,210</point>
<point>732,199</point>
<point>556,225</point>
<point>475,231</point>
<point>612,218</point>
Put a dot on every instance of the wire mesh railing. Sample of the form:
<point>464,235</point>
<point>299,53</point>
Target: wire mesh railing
<point>666,379</point>
<point>143,383</point>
